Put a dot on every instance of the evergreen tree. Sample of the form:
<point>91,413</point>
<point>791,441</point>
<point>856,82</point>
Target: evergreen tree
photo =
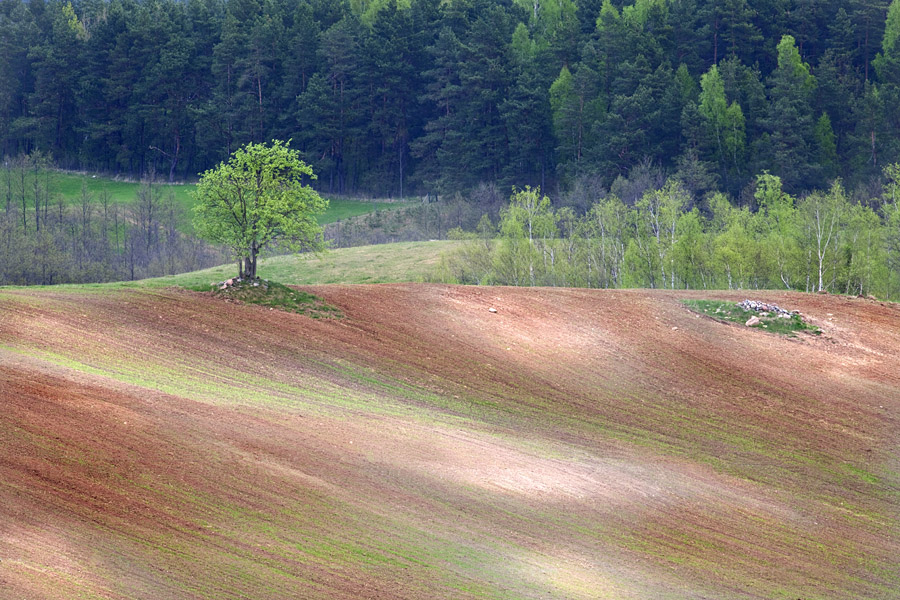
<point>57,68</point>
<point>790,121</point>
<point>575,108</point>
<point>887,67</point>
<point>329,112</point>
<point>526,113</point>
<point>442,141</point>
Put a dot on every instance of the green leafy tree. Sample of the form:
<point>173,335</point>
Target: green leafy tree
<point>691,251</point>
<point>604,229</point>
<point>258,199</point>
<point>734,246</point>
<point>725,122</point>
<point>658,212</point>
<point>822,216</point>
<point>891,211</point>
<point>524,225</point>
<point>861,257</point>
<point>781,229</point>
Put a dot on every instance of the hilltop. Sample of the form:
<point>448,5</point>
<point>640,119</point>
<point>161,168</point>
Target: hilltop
<point>160,443</point>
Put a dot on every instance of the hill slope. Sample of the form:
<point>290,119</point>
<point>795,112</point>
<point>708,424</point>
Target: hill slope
<point>399,262</point>
<point>157,443</point>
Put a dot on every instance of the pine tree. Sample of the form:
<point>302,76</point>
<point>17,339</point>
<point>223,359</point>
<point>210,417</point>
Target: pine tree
<point>790,121</point>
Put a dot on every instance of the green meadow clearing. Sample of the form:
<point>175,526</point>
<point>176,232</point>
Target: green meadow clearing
<point>71,185</point>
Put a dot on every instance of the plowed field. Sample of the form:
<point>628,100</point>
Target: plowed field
<point>164,444</point>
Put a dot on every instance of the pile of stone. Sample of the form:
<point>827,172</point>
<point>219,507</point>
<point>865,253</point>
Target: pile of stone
<point>222,285</point>
<point>765,308</point>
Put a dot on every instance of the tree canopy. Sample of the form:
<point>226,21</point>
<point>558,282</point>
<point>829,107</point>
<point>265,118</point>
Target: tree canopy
<point>256,199</point>
<point>391,97</point>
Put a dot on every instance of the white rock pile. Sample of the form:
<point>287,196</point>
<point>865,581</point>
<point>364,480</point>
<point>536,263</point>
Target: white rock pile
<point>222,285</point>
<point>765,307</point>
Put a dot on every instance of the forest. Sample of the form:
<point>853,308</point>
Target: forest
<point>590,101</point>
<point>395,97</point>
<point>821,242</point>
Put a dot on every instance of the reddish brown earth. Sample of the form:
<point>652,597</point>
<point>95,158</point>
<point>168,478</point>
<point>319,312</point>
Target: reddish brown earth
<point>573,444</point>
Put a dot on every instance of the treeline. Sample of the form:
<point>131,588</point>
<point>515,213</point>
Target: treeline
<point>389,96</point>
<point>822,241</point>
<point>45,240</point>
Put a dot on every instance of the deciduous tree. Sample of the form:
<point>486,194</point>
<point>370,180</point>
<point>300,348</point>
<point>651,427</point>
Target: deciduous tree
<point>256,199</point>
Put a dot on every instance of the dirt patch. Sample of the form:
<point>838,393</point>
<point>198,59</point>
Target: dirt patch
<point>169,445</point>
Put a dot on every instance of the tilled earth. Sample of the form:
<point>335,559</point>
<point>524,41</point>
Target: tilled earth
<point>569,444</point>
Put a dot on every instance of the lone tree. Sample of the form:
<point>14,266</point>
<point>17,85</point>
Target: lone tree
<point>257,199</point>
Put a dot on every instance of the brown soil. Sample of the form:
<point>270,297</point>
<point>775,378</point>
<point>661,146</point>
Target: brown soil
<point>572,444</point>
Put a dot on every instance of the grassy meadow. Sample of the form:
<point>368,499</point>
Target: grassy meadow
<point>383,263</point>
<point>70,185</point>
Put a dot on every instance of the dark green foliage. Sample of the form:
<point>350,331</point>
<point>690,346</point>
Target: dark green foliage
<point>417,96</point>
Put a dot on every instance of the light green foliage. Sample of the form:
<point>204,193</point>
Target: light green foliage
<point>548,17</point>
<point>691,253</point>
<point>861,259</point>
<point>712,96</point>
<point>256,199</point>
<point>524,225</point>
<point>725,122</point>
<point>891,212</point>
<point>656,224</point>
<point>71,19</point>
<point>636,14</point>
<point>781,235</point>
<point>789,60</point>
<point>522,46</point>
<point>687,86</point>
<point>666,240</point>
<point>822,218</point>
<point>608,14</point>
<point>735,251</point>
<point>367,10</point>
<point>528,215</point>
<point>891,29</point>
<point>604,231</point>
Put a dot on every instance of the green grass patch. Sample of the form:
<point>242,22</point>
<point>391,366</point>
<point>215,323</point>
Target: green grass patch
<point>340,209</point>
<point>733,313</point>
<point>403,262</point>
<point>381,263</point>
<point>69,186</point>
<point>274,295</point>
